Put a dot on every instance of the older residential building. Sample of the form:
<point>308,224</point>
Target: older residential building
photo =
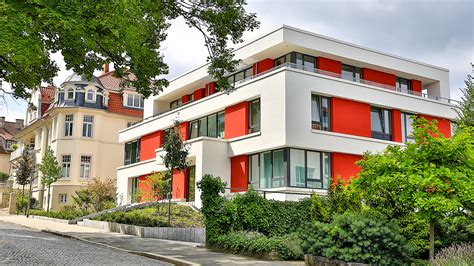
<point>7,141</point>
<point>304,110</point>
<point>80,121</point>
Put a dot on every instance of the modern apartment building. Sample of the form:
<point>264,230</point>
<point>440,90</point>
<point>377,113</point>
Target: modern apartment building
<point>80,121</point>
<point>304,110</point>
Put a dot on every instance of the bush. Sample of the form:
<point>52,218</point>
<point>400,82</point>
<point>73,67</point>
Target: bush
<point>21,203</point>
<point>256,244</point>
<point>181,216</point>
<point>3,176</point>
<point>456,255</point>
<point>357,237</point>
<point>64,214</point>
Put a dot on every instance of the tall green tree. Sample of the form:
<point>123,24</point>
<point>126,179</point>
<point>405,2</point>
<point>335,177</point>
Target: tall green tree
<point>465,110</point>
<point>24,168</point>
<point>128,34</point>
<point>430,179</point>
<point>175,157</point>
<point>51,171</point>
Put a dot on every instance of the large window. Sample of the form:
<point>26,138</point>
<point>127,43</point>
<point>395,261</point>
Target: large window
<point>85,167</point>
<point>289,167</point>
<point>403,84</point>
<point>87,126</point>
<point>381,123</point>
<point>66,164</point>
<point>254,116</point>
<point>208,126</point>
<point>320,110</point>
<point>306,62</point>
<point>176,103</point>
<point>132,152</point>
<point>351,73</point>
<point>242,74</point>
<point>135,100</point>
<point>407,127</point>
<point>68,125</point>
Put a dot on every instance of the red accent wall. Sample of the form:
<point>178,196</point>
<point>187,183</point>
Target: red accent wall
<point>262,66</point>
<point>144,189</point>
<point>210,88</point>
<point>183,130</point>
<point>148,144</point>
<point>350,117</point>
<point>396,125</point>
<point>236,120</point>
<point>379,77</point>
<point>198,94</point>
<point>116,106</point>
<point>179,184</point>
<point>444,125</point>
<point>416,85</point>
<point>329,65</point>
<point>343,166</point>
<point>185,98</point>
<point>239,173</point>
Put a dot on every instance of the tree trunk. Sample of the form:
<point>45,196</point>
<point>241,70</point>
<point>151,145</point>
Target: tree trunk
<point>47,207</point>
<point>432,239</point>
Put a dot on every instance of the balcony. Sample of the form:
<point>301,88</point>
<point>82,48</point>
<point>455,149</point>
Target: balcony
<point>18,152</point>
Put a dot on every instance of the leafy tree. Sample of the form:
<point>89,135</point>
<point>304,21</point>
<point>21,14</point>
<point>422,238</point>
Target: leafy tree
<point>3,176</point>
<point>466,108</point>
<point>24,168</point>
<point>51,171</point>
<point>175,157</point>
<point>97,196</point>
<point>126,33</point>
<point>431,178</point>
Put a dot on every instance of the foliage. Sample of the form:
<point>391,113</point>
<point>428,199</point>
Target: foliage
<point>256,244</point>
<point>176,151</point>
<point>126,33</point>
<point>63,214</point>
<point>14,146</point>
<point>456,255</point>
<point>24,167</point>
<point>357,237</point>
<point>465,111</point>
<point>183,216</point>
<point>50,169</point>
<point>429,178</point>
<point>21,202</point>
<point>455,229</point>
<point>339,199</point>
<point>97,196</point>
<point>157,185</point>
<point>3,176</point>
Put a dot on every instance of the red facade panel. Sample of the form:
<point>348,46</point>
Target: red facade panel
<point>198,94</point>
<point>350,117</point>
<point>330,65</point>
<point>239,173</point>
<point>262,66</point>
<point>396,125</point>
<point>379,77</point>
<point>236,120</point>
<point>185,98</point>
<point>444,125</point>
<point>179,184</point>
<point>183,130</point>
<point>144,189</point>
<point>416,85</point>
<point>343,166</point>
<point>210,88</point>
<point>148,144</point>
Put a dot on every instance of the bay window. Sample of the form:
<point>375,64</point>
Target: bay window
<point>381,123</point>
<point>320,113</point>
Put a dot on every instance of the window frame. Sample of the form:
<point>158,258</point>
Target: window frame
<point>82,166</point>
<point>91,91</point>
<point>355,71</point>
<point>398,84</point>
<point>141,101</point>
<point>87,126</point>
<point>66,94</point>
<point>66,166</point>
<point>405,137</point>
<point>251,127</point>
<point>68,125</point>
<point>382,135</point>
<point>321,116</point>
<point>60,198</point>
<point>137,152</point>
<point>176,103</point>
<point>199,125</point>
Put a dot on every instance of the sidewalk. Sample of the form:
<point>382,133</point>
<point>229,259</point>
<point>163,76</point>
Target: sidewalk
<point>179,253</point>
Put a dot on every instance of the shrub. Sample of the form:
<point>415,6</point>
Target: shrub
<point>63,214</point>
<point>97,196</point>
<point>21,203</point>
<point>456,255</point>
<point>357,237</point>
<point>256,244</point>
<point>3,176</point>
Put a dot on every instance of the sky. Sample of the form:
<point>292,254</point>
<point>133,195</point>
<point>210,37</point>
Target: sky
<point>437,32</point>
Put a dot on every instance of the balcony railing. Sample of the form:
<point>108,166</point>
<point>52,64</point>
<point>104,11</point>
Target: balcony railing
<point>18,152</point>
<point>326,73</point>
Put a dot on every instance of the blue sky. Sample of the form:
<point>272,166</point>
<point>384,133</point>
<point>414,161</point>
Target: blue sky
<point>436,32</point>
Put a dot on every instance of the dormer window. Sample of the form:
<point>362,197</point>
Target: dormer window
<point>69,95</point>
<point>90,95</point>
<point>135,100</point>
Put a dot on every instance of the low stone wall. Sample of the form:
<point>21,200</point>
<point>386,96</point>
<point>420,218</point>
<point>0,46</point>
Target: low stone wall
<point>312,260</point>
<point>52,219</point>
<point>196,235</point>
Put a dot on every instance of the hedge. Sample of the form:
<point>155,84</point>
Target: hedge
<point>64,214</point>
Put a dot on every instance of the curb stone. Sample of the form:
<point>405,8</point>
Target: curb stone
<point>155,256</point>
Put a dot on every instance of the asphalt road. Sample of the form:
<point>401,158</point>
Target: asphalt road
<point>21,245</point>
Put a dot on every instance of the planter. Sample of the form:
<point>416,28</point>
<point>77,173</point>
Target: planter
<point>52,219</point>
<point>323,261</point>
<point>196,235</point>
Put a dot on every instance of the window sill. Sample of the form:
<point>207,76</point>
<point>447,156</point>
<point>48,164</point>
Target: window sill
<point>251,135</point>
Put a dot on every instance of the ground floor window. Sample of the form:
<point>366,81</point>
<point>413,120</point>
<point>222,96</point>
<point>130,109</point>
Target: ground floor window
<point>289,167</point>
<point>62,198</point>
<point>134,190</point>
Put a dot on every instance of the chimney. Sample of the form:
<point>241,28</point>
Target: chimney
<point>19,124</point>
<point>2,121</point>
<point>105,68</point>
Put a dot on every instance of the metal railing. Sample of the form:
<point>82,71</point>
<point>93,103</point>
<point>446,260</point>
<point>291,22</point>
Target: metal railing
<point>326,73</point>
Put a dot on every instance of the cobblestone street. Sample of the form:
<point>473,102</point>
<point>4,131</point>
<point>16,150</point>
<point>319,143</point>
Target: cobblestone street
<point>20,245</point>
